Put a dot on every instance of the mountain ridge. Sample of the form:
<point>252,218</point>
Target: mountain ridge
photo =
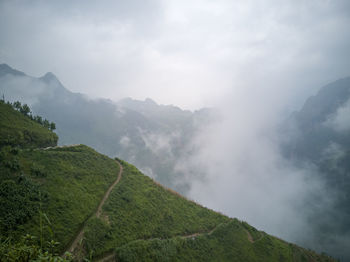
<point>151,136</point>
<point>140,220</point>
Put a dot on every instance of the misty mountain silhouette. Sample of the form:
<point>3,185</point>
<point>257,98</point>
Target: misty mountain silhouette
<point>319,137</point>
<point>6,69</point>
<point>151,136</point>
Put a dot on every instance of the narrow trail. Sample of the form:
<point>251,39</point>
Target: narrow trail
<point>79,237</point>
<point>105,197</point>
<point>110,256</point>
<point>250,238</point>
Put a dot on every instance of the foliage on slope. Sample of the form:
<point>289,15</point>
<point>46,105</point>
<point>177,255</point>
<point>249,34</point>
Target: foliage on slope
<point>228,242</point>
<point>28,250</point>
<point>52,193</point>
<point>71,180</point>
<point>18,130</point>
<point>138,208</point>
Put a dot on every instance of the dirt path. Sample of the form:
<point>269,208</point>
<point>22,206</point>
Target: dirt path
<point>79,237</point>
<point>105,197</point>
<point>110,256</point>
<point>55,147</point>
<point>250,238</point>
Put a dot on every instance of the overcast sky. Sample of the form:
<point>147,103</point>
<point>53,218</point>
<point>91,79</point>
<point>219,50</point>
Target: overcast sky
<point>187,53</point>
<point>252,59</point>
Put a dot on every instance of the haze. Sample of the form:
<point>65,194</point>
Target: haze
<point>178,52</point>
<point>256,61</point>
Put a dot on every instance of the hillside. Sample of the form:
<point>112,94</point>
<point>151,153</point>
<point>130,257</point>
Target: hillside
<point>57,192</point>
<point>152,137</point>
<point>319,138</point>
<point>17,129</point>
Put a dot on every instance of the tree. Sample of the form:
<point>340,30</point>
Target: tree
<point>17,105</point>
<point>38,119</point>
<point>46,123</point>
<point>25,110</point>
<point>52,126</point>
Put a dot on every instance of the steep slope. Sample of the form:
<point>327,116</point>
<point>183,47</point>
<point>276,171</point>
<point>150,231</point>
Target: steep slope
<point>72,180</point>
<point>18,130</point>
<point>143,221</point>
<point>319,137</point>
<point>54,192</point>
<point>138,208</point>
<point>316,123</point>
<point>227,242</point>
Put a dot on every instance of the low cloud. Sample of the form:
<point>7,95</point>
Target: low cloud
<point>340,121</point>
<point>243,174</point>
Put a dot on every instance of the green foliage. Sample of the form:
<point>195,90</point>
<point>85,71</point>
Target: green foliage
<point>28,250</point>
<point>228,242</point>
<point>17,129</point>
<point>96,233</point>
<point>25,110</point>
<point>37,170</point>
<point>140,209</point>
<point>254,233</point>
<point>54,193</point>
<point>18,202</point>
<point>76,179</point>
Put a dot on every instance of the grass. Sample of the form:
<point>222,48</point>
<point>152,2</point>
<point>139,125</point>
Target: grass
<point>52,193</point>
<point>140,209</point>
<point>19,130</point>
<point>228,242</point>
<point>75,179</point>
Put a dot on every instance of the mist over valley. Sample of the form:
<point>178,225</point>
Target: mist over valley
<point>241,107</point>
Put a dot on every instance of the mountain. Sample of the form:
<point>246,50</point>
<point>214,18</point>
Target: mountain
<point>151,136</point>
<point>7,70</point>
<point>105,209</point>
<point>319,138</point>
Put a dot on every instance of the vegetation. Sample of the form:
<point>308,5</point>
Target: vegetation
<point>25,110</point>
<point>52,193</point>
<point>138,208</point>
<point>18,130</point>
<point>28,250</point>
<point>228,242</point>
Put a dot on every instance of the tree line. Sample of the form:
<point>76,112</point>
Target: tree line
<point>25,110</point>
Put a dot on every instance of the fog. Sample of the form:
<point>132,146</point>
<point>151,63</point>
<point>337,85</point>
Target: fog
<point>176,52</point>
<point>340,121</point>
<point>255,61</point>
<point>244,174</point>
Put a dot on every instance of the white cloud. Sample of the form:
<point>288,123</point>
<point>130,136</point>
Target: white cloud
<point>340,121</point>
<point>179,52</point>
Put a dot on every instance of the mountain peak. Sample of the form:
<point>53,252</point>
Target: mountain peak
<point>149,101</point>
<point>5,69</point>
<point>49,77</point>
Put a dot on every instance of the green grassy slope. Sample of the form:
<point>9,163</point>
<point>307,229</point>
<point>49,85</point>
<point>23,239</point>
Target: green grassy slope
<point>52,193</point>
<point>228,242</point>
<point>19,130</point>
<point>138,208</point>
<point>71,180</point>
<point>145,222</point>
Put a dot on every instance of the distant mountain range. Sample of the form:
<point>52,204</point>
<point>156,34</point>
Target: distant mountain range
<point>151,136</point>
<point>318,137</point>
<point>156,138</point>
<point>73,203</point>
